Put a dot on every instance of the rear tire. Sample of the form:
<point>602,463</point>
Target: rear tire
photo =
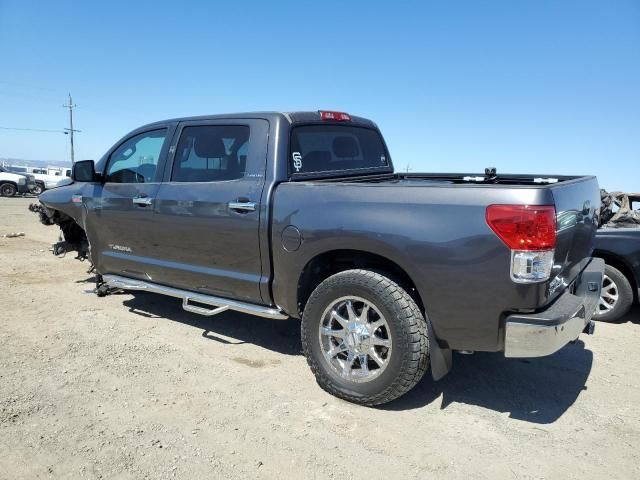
<point>8,190</point>
<point>616,297</point>
<point>378,331</point>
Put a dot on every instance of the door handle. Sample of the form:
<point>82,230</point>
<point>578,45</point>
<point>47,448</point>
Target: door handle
<point>143,201</point>
<point>242,206</point>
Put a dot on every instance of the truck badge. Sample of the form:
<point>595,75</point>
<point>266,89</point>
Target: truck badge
<point>120,248</point>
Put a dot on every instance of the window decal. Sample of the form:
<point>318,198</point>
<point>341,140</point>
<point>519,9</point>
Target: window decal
<point>297,161</point>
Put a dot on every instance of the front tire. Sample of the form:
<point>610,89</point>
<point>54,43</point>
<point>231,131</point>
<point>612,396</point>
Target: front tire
<point>616,296</point>
<point>364,337</point>
<point>8,190</point>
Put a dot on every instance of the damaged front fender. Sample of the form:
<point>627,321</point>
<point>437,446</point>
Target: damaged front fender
<point>59,206</point>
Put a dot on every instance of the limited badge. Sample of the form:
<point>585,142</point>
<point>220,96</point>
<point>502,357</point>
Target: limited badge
<point>297,161</point>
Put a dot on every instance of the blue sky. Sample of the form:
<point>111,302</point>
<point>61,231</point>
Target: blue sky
<point>550,87</point>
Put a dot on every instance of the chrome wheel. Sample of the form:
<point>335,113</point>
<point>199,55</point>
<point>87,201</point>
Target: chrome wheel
<point>608,296</point>
<point>355,339</point>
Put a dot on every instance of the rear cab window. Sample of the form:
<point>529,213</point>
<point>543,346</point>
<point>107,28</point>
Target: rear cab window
<point>327,148</point>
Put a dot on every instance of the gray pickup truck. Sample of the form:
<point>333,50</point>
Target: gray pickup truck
<point>301,215</point>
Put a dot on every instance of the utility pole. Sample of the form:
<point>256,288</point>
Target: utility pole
<point>70,130</point>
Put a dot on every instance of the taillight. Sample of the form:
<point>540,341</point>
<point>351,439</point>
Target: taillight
<point>530,232</point>
<point>524,227</point>
<point>335,116</point>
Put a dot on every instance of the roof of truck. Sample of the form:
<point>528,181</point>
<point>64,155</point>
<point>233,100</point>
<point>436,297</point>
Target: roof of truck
<point>290,117</point>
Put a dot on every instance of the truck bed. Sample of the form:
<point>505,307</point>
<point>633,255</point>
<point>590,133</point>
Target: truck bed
<point>456,179</point>
<point>434,227</point>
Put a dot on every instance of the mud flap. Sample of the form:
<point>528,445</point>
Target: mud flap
<point>441,358</point>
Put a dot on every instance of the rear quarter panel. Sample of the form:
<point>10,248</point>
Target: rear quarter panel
<point>437,234</point>
<point>577,209</point>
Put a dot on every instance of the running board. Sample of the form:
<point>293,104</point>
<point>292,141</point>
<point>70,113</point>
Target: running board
<point>218,304</point>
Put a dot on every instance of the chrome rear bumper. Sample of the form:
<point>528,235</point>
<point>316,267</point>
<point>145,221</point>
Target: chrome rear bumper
<point>543,333</point>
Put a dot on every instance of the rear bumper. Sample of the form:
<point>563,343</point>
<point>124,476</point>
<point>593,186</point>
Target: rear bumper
<point>543,333</point>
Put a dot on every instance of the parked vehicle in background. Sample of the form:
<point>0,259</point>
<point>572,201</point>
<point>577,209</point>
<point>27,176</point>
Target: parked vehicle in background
<point>618,243</point>
<point>620,249</point>
<point>619,209</point>
<point>59,171</point>
<point>12,183</point>
<point>45,178</point>
<point>301,215</point>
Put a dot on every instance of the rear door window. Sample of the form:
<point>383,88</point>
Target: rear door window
<point>210,153</point>
<point>330,148</point>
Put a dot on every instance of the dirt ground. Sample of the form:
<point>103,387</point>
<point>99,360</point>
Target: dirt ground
<point>131,386</point>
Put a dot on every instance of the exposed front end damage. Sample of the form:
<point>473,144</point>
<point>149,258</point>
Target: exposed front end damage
<point>72,237</point>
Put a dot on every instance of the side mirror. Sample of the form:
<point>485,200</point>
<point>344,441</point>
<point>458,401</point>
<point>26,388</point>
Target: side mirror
<point>84,171</point>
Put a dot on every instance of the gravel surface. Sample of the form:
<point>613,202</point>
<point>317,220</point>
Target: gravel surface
<point>131,386</point>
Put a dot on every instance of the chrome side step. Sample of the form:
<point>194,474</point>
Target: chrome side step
<point>219,304</point>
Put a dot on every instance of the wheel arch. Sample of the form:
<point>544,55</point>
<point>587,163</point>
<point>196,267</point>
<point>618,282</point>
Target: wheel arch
<point>619,263</point>
<point>330,262</point>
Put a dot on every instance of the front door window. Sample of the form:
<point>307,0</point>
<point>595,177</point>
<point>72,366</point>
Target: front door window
<point>136,160</point>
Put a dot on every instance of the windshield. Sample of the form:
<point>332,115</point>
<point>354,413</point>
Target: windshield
<point>330,148</point>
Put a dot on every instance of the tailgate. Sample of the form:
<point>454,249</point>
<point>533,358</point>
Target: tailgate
<point>577,205</point>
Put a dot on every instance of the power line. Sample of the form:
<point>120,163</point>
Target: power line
<point>33,129</point>
<point>67,131</point>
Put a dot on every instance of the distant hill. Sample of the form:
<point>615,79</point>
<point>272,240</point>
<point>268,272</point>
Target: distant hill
<point>33,163</point>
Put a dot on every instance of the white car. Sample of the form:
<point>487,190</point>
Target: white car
<point>12,183</point>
